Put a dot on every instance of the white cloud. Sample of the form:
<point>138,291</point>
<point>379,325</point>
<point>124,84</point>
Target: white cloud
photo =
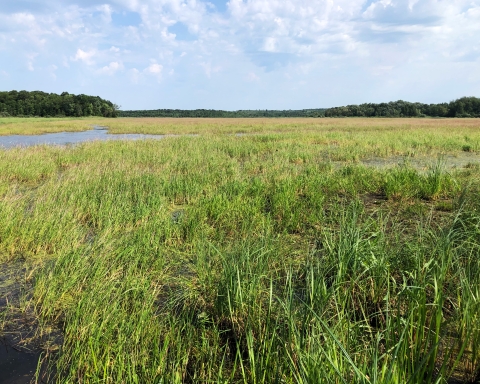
<point>52,69</point>
<point>134,75</point>
<point>85,56</point>
<point>106,10</point>
<point>282,42</point>
<point>381,70</point>
<point>26,19</point>
<point>155,69</point>
<point>30,60</point>
<point>111,68</point>
<point>269,45</point>
<point>251,76</point>
<point>210,69</point>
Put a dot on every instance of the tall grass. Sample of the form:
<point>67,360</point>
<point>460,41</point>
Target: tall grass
<point>246,259</point>
<point>406,182</point>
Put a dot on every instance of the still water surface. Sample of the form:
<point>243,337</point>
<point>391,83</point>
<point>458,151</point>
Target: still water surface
<point>65,138</point>
<point>17,367</point>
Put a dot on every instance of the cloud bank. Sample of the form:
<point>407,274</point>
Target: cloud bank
<point>237,54</point>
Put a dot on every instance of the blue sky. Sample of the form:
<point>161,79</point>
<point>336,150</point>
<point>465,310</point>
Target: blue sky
<point>243,54</point>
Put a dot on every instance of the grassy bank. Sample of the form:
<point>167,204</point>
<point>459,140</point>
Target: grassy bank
<point>275,257</point>
<point>41,125</point>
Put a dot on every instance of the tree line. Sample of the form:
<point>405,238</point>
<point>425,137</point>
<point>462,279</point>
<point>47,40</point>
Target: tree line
<point>37,103</point>
<point>463,107</point>
<point>220,113</point>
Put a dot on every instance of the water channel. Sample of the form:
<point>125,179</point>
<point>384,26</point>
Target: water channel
<point>66,138</point>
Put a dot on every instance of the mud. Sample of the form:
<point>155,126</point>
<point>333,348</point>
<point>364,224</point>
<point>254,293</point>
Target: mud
<point>25,348</point>
<point>424,163</point>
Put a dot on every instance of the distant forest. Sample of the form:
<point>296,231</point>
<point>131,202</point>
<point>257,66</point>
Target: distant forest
<point>463,107</point>
<point>220,113</point>
<point>24,103</point>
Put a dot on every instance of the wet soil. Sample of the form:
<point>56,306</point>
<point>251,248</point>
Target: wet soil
<point>17,367</point>
<point>25,348</point>
<point>424,163</point>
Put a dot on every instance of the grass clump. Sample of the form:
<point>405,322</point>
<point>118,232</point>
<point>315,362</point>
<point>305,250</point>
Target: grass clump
<point>406,182</point>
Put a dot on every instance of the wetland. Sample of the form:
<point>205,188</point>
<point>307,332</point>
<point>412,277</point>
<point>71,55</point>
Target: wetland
<point>242,251</point>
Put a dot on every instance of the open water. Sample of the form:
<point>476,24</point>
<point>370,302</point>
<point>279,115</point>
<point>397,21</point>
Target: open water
<point>66,138</point>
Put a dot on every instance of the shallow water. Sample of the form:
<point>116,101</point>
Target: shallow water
<point>17,367</point>
<point>65,138</point>
<point>425,163</point>
<point>20,351</point>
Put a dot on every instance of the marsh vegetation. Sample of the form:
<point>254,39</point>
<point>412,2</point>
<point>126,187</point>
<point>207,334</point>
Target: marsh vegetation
<point>258,251</point>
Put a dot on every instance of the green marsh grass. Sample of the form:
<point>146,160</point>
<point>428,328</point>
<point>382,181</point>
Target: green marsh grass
<point>267,258</point>
<point>40,125</point>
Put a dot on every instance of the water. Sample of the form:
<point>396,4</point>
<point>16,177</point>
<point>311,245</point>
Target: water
<point>17,367</point>
<point>424,163</point>
<point>20,350</point>
<point>65,138</point>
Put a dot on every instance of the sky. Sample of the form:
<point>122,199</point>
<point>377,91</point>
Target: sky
<point>243,54</point>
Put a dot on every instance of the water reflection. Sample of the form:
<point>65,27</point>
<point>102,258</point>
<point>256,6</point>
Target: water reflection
<point>65,138</point>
